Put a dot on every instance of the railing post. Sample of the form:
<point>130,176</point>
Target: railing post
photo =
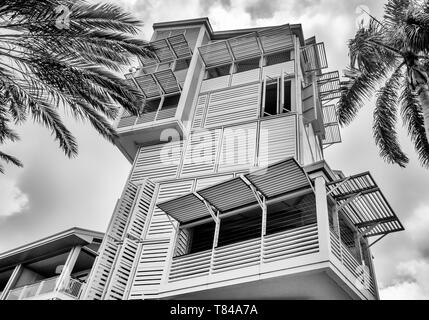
<point>11,282</point>
<point>68,267</point>
<point>215,242</point>
<point>264,229</point>
<point>322,213</point>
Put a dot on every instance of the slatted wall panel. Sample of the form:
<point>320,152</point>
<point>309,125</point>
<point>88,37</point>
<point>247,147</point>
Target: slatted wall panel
<point>157,162</point>
<point>276,70</point>
<point>100,273</point>
<point>121,272</point>
<point>245,77</point>
<point>201,153</point>
<point>160,226</point>
<point>210,181</point>
<point>158,242</point>
<point>215,84</point>
<point>233,105</point>
<point>198,121</point>
<point>150,269</point>
<point>238,148</point>
<point>277,140</point>
<point>102,270</point>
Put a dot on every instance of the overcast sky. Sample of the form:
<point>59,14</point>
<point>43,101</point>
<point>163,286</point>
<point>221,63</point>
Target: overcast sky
<point>53,193</point>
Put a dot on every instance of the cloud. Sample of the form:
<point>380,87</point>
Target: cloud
<point>412,282</point>
<point>262,9</point>
<point>417,227</point>
<point>12,199</point>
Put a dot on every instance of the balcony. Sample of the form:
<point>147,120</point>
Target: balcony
<point>276,233</point>
<point>69,289</point>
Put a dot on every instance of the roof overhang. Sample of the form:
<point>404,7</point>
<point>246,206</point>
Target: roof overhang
<point>276,180</point>
<point>51,245</point>
<point>362,201</point>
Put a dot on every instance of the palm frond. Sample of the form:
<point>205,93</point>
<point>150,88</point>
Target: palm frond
<point>412,118</point>
<point>385,118</point>
<point>9,159</point>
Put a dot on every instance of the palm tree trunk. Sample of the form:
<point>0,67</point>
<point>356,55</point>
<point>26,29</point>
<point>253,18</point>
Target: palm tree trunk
<point>424,102</point>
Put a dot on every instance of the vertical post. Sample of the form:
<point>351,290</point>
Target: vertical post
<point>11,282</point>
<point>322,216</point>
<point>264,229</point>
<point>215,242</point>
<point>68,268</point>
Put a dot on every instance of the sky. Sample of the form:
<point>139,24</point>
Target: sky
<point>53,193</point>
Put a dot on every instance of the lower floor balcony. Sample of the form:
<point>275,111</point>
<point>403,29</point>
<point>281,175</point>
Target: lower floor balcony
<point>279,234</point>
<point>48,289</point>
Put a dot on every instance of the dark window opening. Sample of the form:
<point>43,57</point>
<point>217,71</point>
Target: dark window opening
<point>270,100</point>
<point>170,102</point>
<point>201,237</point>
<point>287,95</point>
<point>291,214</point>
<point>240,227</point>
<point>218,71</point>
<point>151,105</point>
<point>247,65</point>
<point>182,64</point>
<point>278,57</point>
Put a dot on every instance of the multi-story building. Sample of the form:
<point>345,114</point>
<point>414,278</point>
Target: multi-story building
<point>51,268</point>
<point>229,195</point>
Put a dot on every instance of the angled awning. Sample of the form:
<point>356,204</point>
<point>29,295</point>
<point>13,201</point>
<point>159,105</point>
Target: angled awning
<point>276,180</point>
<point>332,128</point>
<point>329,86</point>
<point>313,57</point>
<point>365,205</point>
<point>247,46</point>
<point>154,84</point>
<point>168,49</point>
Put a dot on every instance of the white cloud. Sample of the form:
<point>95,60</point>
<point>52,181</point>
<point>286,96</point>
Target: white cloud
<point>12,199</point>
<point>412,282</point>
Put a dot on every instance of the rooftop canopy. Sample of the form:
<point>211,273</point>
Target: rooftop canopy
<point>364,204</point>
<point>276,180</point>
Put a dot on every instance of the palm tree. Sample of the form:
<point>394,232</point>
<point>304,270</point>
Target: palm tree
<point>391,55</point>
<point>65,54</point>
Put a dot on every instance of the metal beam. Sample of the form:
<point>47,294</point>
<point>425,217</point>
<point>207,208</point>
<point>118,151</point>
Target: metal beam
<point>349,200</point>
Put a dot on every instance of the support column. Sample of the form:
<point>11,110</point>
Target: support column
<point>68,267</point>
<point>322,217</point>
<point>11,282</point>
<point>215,241</point>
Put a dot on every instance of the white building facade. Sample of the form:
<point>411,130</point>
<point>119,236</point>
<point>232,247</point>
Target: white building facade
<point>229,196</point>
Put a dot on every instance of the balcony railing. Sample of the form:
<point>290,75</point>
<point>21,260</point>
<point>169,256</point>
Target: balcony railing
<point>149,117</point>
<point>361,275</point>
<point>71,287</point>
<point>279,246</point>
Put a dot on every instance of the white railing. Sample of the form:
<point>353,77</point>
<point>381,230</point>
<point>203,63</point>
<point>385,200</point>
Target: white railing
<point>361,274</point>
<point>71,287</point>
<point>279,246</point>
<point>149,117</point>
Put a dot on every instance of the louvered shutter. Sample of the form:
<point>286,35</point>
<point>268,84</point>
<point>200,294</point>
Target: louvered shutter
<point>157,162</point>
<point>277,140</point>
<point>198,121</point>
<point>233,105</point>
<point>201,153</point>
<point>158,244</point>
<point>238,147</point>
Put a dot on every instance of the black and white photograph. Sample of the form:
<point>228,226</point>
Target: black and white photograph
<point>210,155</point>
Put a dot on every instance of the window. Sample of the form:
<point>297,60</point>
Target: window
<point>277,58</point>
<point>271,99</point>
<point>170,102</point>
<point>273,104</point>
<point>247,65</point>
<point>164,66</point>
<point>201,237</point>
<point>218,71</point>
<point>182,64</point>
<point>151,105</point>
